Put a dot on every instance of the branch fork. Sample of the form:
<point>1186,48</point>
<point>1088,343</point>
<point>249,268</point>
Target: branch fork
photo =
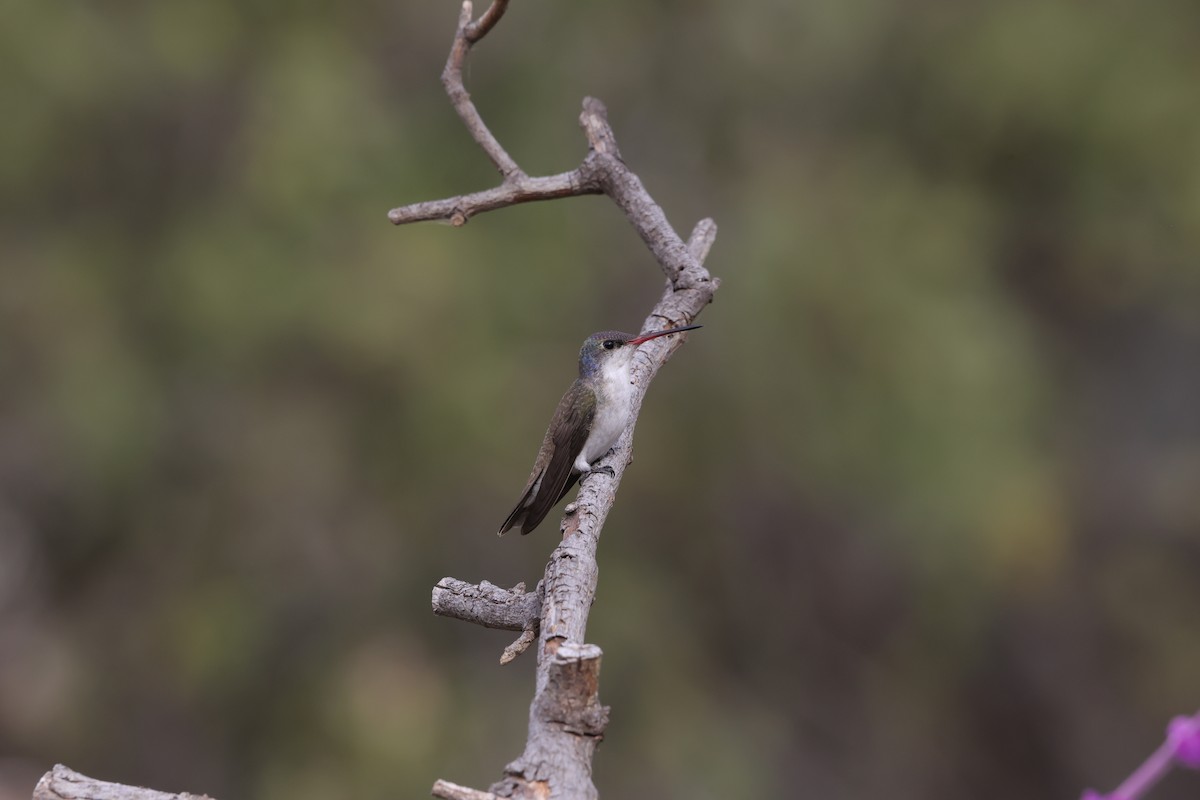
<point>566,718</point>
<point>492,607</point>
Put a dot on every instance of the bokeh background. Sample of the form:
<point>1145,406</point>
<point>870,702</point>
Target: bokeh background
<point>916,515</point>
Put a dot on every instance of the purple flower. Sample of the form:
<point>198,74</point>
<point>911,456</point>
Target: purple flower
<point>1181,747</point>
<point>1183,736</point>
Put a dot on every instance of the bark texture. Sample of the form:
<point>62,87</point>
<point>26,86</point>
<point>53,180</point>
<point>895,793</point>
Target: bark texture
<point>492,607</point>
<point>566,718</point>
<point>487,604</point>
<point>62,783</point>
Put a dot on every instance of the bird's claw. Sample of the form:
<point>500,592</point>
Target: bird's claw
<point>607,470</point>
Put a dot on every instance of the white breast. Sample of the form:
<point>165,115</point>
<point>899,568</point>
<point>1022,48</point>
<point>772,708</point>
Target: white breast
<point>614,405</point>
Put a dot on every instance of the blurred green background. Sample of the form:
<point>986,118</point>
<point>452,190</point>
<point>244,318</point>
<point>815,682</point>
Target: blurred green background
<point>917,514</point>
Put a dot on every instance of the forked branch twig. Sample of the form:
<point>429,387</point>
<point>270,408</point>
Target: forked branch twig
<point>566,720</point>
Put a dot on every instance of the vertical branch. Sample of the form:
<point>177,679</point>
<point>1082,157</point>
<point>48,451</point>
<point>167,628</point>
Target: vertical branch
<point>465,35</point>
<point>566,719</point>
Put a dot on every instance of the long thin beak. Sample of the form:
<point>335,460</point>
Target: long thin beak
<point>645,337</point>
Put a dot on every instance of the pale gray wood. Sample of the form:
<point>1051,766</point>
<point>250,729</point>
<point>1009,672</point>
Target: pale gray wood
<point>566,720</point>
<point>62,783</point>
<point>492,607</point>
<point>445,790</point>
<point>468,33</point>
<point>487,604</point>
<point>522,643</point>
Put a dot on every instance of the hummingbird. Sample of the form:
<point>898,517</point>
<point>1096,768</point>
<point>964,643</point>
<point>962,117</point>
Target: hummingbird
<point>590,417</point>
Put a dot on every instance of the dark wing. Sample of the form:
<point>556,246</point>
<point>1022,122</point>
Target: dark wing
<point>568,431</point>
<point>522,506</point>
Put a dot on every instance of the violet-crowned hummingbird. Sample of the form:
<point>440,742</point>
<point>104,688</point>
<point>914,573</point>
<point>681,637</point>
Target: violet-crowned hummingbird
<point>590,417</point>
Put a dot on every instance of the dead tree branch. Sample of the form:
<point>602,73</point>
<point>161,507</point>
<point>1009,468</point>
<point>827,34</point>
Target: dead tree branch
<point>487,604</point>
<point>445,790</point>
<point>62,783</point>
<point>566,719</point>
<point>492,607</point>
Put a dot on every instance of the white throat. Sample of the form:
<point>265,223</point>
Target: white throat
<point>614,407</point>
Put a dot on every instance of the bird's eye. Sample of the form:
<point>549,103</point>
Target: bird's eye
<point>609,344</point>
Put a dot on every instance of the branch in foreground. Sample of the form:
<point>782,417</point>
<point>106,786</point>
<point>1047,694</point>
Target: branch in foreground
<point>62,783</point>
<point>602,172</point>
<point>523,189</point>
<point>445,790</point>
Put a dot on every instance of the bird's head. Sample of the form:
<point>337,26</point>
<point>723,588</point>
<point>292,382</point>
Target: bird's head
<point>614,348</point>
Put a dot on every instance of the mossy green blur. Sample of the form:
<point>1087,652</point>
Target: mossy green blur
<point>917,519</point>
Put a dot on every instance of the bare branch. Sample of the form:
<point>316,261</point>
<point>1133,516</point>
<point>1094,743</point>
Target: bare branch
<point>527,637</point>
<point>524,189</point>
<point>452,791</point>
<point>566,719</point>
<point>571,697</point>
<point>602,171</point>
<point>594,121</point>
<point>466,34</point>
<point>492,607</point>
<point>479,29</point>
<point>62,783</point>
<point>487,604</point>
<point>701,240</point>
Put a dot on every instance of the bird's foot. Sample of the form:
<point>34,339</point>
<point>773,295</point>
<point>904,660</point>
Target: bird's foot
<point>606,470</point>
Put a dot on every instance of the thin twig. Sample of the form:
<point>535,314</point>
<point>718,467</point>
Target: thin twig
<point>523,189</point>
<point>479,29</point>
<point>465,35</point>
<point>527,637</point>
<point>445,790</point>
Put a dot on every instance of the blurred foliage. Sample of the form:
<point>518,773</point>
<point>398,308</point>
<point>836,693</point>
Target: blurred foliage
<point>917,514</point>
